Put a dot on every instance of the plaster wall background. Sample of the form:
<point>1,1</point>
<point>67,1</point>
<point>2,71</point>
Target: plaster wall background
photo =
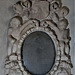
<point>6,14</point>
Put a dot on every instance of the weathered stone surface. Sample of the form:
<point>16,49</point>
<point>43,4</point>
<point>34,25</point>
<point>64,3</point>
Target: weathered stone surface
<point>53,22</point>
<point>39,10</point>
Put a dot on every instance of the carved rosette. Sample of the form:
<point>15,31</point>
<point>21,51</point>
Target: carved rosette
<point>30,16</point>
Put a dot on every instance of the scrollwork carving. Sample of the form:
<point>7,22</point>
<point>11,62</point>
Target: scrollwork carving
<point>39,15</point>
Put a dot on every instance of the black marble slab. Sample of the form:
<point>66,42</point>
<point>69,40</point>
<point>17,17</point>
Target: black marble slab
<point>38,53</point>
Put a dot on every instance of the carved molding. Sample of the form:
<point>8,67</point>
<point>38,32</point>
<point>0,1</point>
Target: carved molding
<point>39,15</point>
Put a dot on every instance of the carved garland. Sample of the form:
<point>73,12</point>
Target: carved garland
<point>52,22</point>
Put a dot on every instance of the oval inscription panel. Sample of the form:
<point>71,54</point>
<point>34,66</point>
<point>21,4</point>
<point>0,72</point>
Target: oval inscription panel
<point>38,53</point>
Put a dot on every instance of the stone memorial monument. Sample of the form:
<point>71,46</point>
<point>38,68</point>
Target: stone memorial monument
<point>38,39</point>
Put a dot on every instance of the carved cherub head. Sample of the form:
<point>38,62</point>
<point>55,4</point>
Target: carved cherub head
<point>16,22</point>
<point>26,3</point>
<point>63,24</point>
<point>17,8</point>
<point>64,11</point>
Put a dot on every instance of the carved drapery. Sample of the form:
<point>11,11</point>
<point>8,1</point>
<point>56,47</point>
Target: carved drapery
<point>39,15</point>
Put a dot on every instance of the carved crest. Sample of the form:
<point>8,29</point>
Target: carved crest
<point>39,15</point>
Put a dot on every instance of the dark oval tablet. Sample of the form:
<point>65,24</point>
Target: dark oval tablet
<point>38,53</point>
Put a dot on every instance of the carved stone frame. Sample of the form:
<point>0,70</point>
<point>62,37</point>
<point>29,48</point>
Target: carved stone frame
<point>55,25</point>
<point>51,34</point>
